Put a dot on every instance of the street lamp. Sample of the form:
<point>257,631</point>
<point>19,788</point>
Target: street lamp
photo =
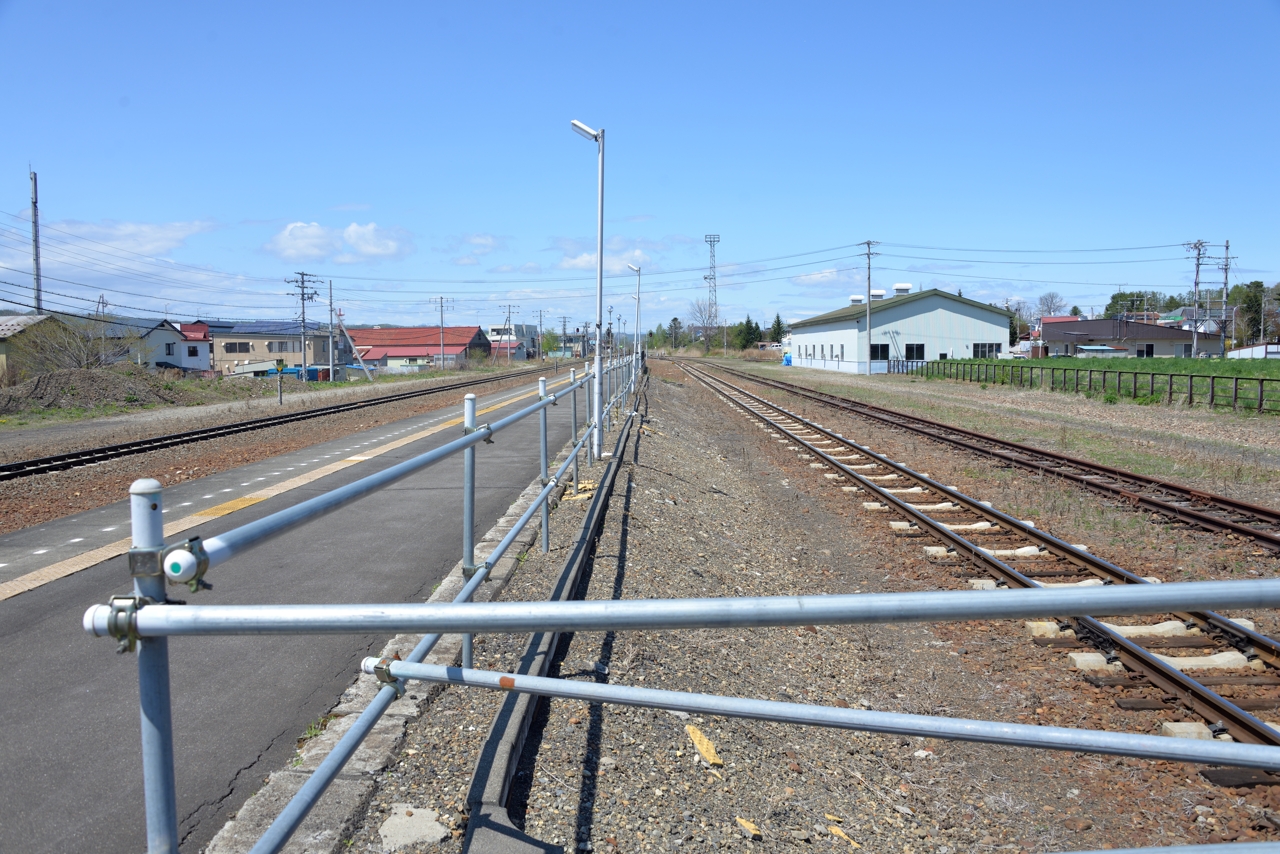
<point>636,349</point>
<point>598,137</point>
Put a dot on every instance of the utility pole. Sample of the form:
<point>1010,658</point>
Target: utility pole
<point>564,333</point>
<point>1226,269</point>
<point>304,296</point>
<point>869,244</point>
<point>332,376</point>
<point>511,332</point>
<point>713,308</point>
<point>442,303</point>
<point>35,245</point>
<point>541,312</point>
<point>1198,248</point>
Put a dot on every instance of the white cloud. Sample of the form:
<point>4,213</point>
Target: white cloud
<point>302,241</point>
<point>619,252</point>
<point>145,238</point>
<point>465,261</point>
<point>370,241</point>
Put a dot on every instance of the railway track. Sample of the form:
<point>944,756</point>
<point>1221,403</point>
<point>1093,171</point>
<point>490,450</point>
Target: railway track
<point>93,456</point>
<point>1187,505</point>
<point>1017,554</point>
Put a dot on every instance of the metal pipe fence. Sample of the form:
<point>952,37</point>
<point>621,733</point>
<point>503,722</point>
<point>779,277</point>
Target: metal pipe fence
<point>144,621</point>
<point>152,563</point>
<point>1256,394</point>
<point>896,723</point>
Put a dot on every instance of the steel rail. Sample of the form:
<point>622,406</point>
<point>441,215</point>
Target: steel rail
<point>1240,724</point>
<point>92,456</point>
<point>1049,462</point>
<point>1243,639</point>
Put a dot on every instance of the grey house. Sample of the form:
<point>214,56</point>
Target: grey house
<point>1141,340</point>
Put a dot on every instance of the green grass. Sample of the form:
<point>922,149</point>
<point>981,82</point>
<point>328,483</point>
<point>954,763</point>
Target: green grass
<point>1141,381</point>
<point>1268,368</point>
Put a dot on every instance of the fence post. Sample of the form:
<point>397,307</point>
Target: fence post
<point>573,408</point>
<point>587,389</point>
<point>1191,385</point>
<point>153,672</point>
<point>546,504</point>
<point>1260,396</point>
<point>468,508</point>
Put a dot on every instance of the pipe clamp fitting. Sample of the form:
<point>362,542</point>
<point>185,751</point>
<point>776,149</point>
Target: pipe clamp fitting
<point>122,622</point>
<point>382,670</point>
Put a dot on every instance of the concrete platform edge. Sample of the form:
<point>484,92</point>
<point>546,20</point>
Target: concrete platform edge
<point>347,797</point>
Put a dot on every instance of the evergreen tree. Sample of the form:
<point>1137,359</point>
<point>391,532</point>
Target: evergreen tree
<point>776,331</point>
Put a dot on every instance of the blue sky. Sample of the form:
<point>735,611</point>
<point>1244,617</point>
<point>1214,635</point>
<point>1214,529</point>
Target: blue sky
<point>190,159</point>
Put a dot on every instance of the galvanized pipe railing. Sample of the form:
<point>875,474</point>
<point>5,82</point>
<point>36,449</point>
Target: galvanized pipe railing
<point>713,613</point>
<point>151,563</point>
<point>925,726</point>
<point>225,546</point>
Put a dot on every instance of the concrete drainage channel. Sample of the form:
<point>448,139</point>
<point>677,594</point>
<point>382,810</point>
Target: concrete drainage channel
<point>346,798</point>
<point>489,828</point>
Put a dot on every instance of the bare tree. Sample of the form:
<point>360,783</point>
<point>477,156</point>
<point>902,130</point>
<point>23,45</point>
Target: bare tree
<point>1051,304</point>
<point>68,342</point>
<point>702,321</point>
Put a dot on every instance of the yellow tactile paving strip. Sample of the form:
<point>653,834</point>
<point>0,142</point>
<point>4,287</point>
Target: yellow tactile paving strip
<point>71,565</point>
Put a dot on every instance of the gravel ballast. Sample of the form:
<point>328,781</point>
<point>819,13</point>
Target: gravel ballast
<point>707,505</point>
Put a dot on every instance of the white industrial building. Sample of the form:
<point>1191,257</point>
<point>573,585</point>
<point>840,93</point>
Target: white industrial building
<point>906,326</point>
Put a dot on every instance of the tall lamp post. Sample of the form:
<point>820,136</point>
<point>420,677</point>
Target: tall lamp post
<point>598,137</point>
<point>636,349</point>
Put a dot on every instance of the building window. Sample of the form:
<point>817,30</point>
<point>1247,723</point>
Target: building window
<point>1186,351</point>
<point>235,347</point>
<point>985,351</point>
<point>915,352</point>
<point>289,346</point>
<point>879,352</point>
<point>841,352</point>
<point>169,348</point>
<point>1147,351</point>
<point>193,351</point>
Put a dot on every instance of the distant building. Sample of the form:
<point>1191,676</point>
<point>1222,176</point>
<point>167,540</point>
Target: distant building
<point>1141,340</point>
<point>525,333</point>
<point>906,326</point>
<point>510,350</point>
<point>263,342</point>
<point>405,349</point>
<point>196,351</point>
<point>12,325</point>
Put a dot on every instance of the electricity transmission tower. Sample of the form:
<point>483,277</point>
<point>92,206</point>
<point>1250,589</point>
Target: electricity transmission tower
<point>304,296</point>
<point>541,313</point>
<point>442,303</point>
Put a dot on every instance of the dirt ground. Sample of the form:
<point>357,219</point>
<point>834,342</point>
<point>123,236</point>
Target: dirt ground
<point>706,506</point>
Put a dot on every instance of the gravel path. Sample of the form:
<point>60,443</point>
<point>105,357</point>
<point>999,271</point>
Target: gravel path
<point>33,500</point>
<point>706,507</point>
